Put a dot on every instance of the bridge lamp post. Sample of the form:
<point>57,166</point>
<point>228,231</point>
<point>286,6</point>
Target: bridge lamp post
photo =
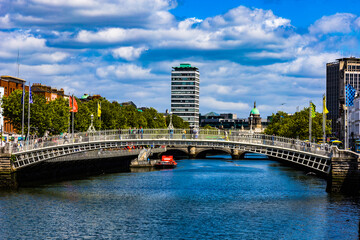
<point>251,123</point>
<point>170,123</point>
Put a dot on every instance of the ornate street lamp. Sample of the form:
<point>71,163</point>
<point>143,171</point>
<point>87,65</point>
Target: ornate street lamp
<point>170,123</point>
<point>91,127</point>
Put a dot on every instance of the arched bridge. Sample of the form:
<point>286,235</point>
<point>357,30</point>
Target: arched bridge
<point>313,156</point>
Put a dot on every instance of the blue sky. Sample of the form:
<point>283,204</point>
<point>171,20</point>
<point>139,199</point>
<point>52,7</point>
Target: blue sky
<point>269,51</point>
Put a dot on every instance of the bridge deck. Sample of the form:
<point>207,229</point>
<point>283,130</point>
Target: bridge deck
<point>310,155</point>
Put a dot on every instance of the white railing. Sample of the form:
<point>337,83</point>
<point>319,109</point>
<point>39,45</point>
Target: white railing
<point>165,134</point>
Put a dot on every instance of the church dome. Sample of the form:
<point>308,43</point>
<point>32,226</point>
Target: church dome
<point>254,111</point>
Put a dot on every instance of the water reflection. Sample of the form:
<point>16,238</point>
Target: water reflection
<point>211,199</point>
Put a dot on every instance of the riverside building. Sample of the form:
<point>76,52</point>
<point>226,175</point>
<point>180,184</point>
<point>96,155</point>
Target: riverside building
<point>338,74</point>
<point>185,81</point>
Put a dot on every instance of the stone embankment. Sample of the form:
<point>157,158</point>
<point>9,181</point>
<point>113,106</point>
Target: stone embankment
<point>7,176</point>
<point>345,172</point>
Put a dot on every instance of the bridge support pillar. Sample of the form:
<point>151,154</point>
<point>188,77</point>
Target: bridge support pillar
<point>7,175</point>
<point>192,152</point>
<point>235,154</point>
<point>344,173</point>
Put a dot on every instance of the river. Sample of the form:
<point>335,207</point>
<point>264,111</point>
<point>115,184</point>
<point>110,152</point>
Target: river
<point>200,199</point>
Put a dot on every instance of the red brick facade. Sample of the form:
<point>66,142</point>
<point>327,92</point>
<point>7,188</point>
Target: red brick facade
<point>10,84</point>
<point>48,92</point>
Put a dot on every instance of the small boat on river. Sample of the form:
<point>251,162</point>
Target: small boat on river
<point>166,162</point>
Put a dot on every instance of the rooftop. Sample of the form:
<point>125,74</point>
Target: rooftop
<point>12,78</point>
<point>185,66</point>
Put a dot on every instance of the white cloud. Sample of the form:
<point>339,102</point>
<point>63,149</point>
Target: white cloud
<point>124,71</point>
<point>212,103</point>
<point>238,27</point>
<point>312,65</point>
<point>128,53</point>
<point>338,23</point>
<point>118,12</point>
<point>5,22</point>
<point>51,57</point>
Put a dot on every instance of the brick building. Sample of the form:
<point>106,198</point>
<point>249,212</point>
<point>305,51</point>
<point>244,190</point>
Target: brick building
<point>11,84</point>
<point>48,92</point>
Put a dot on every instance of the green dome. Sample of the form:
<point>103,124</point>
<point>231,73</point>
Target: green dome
<point>255,111</point>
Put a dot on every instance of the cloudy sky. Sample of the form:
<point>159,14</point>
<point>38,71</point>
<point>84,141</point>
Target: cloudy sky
<point>269,51</point>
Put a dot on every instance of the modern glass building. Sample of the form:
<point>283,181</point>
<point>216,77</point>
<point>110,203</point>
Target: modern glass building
<point>338,74</point>
<point>185,81</point>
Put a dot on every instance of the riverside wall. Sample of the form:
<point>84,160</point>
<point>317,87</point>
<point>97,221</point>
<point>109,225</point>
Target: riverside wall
<point>345,172</point>
<point>7,175</point>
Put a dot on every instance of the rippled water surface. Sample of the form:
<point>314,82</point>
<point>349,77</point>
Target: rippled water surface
<point>200,199</point>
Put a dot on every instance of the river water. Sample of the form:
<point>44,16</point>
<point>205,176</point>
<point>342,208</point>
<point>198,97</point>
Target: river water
<point>200,199</point>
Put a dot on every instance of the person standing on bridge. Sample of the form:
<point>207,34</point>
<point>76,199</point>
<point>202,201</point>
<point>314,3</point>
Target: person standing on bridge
<point>171,131</point>
<point>141,131</point>
<point>184,134</point>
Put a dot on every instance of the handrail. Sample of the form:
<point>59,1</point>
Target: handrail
<point>174,134</point>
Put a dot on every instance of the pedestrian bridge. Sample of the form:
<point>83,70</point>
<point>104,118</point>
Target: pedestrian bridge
<point>313,156</point>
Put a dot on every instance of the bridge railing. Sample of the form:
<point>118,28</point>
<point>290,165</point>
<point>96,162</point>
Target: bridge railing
<point>175,134</point>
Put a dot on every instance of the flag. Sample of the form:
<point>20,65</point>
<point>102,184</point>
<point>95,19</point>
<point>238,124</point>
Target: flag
<point>73,104</point>
<point>30,95</point>
<point>99,110</point>
<point>325,111</point>
<point>70,104</point>
<point>350,95</point>
<point>75,107</point>
<point>312,110</point>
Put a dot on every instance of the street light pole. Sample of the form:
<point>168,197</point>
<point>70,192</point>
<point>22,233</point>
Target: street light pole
<point>251,121</point>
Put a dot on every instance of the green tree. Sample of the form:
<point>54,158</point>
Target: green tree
<point>177,122</point>
<point>59,112</point>
<point>297,125</point>
<point>40,113</point>
<point>82,118</point>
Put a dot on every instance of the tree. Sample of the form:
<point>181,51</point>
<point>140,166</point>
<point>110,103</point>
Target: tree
<point>59,112</point>
<point>297,125</point>
<point>177,122</point>
<point>40,114</point>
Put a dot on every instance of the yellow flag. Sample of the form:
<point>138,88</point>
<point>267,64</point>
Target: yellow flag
<point>312,110</point>
<point>99,110</point>
<point>325,111</point>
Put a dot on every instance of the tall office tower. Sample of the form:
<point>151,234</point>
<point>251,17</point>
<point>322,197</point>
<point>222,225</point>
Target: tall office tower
<point>185,81</point>
<point>338,74</point>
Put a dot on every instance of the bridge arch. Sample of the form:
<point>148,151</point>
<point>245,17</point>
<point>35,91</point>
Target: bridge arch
<point>286,149</point>
<point>202,153</point>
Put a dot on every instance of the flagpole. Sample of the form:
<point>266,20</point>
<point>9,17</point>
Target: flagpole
<point>23,111</point>
<point>324,119</point>
<point>345,116</point>
<point>73,116</point>
<point>28,133</point>
<point>310,122</point>
<point>100,116</point>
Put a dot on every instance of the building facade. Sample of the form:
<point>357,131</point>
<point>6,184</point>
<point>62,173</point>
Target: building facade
<point>11,84</point>
<point>48,92</point>
<point>185,89</point>
<point>354,121</point>
<point>338,74</point>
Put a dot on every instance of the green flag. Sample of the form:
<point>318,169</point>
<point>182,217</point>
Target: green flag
<point>312,110</point>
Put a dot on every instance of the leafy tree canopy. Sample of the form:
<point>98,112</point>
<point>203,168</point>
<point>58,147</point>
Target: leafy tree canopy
<point>54,116</point>
<point>297,125</point>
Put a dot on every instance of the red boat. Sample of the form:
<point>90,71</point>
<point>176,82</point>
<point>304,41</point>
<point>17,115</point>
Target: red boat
<point>166,162</point>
